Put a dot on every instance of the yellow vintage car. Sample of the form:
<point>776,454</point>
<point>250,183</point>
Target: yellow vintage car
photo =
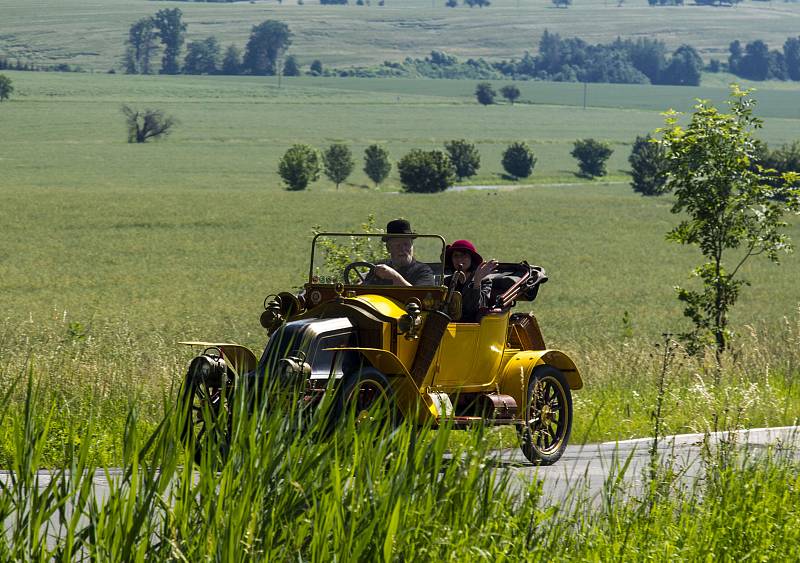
<point>362,344</point>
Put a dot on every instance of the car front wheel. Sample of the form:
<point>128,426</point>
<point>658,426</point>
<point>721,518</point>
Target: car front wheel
<point>206,412</point>
<point>368,397</point>
<point>545,430</point>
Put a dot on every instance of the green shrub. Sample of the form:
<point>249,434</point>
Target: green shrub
<point>376,163</point>
<point>338,163</point>
<point>648,167</point>
<point>426,171</point>
<point>591,156</point>
<point>485,94</point>
<point>464,156</point>
<point>299,166</point>
<point>519,160</point>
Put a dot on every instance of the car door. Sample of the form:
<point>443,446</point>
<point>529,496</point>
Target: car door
<point>470,353</point>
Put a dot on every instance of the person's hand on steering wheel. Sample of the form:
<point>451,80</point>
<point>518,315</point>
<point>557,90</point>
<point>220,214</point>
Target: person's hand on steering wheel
<point>361,277</point>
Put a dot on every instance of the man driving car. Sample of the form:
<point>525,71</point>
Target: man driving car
<point>402,268</point>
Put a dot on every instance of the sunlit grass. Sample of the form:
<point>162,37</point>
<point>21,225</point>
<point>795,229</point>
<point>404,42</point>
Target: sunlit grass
<point>283,493</point>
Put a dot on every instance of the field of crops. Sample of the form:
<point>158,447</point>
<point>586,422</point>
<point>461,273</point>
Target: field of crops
<point>91,33</point>
<point>94,220</point>
<point>113,252</point>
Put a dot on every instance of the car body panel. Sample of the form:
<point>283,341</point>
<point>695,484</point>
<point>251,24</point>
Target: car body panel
<point>240,358</point>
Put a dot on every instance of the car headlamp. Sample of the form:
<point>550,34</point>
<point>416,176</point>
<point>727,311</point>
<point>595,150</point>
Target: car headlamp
<point>209,370</point>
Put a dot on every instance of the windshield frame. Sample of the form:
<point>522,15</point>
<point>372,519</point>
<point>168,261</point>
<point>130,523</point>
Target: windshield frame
<point>440,238</point>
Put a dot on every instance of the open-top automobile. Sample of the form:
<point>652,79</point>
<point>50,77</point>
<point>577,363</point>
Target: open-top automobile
<point>345,339</point>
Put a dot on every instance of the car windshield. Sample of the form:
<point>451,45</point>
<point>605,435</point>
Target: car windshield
<point>336,255</point>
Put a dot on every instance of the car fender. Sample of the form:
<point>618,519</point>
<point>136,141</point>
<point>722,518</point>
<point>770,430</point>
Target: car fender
<point>406,390</point>
<point>519,368</point>
<point>239,358</point>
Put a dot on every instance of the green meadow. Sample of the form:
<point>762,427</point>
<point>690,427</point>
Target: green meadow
<point>112,252</point>
<point>91,33</point>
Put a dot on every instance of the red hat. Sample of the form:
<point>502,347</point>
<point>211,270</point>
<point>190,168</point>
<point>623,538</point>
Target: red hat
<point>464,246</point>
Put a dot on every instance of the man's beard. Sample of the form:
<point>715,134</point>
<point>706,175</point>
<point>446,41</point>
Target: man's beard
<point>404,260</point>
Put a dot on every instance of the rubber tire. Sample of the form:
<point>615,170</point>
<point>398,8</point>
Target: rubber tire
<point>356,380</point>
<point>549,454</point>
<point>200,426</point>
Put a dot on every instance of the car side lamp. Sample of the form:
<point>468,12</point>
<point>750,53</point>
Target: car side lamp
<point>294,367</point>
<point>410,323</point>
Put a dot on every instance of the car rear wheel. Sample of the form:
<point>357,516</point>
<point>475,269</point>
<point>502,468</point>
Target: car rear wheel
<point>548,416</point>
<point>368,397</point>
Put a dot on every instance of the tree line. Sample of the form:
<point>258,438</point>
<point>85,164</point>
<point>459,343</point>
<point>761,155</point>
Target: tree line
<point>624,61</point>
<point>423,171</point>
<point>166,31</point>
<point>643,61</point>
<point>755,61</point>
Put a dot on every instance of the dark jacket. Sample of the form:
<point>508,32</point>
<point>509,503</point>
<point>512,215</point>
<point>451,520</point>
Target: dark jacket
<point>473,299</point>
<point>416,273</point>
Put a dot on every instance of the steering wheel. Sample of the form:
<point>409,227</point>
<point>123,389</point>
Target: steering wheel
<point>361,277</point>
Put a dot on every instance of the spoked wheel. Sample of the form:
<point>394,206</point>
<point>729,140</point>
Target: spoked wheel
<point>368,395</point>
<point>206,404</point>
<point>548,416</point>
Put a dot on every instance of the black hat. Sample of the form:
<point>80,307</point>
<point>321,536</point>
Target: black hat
<point>398,227</point>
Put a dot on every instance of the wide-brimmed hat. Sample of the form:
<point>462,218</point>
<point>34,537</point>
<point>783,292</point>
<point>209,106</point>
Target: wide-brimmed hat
<point>463,246</point>
<point>397,227</point>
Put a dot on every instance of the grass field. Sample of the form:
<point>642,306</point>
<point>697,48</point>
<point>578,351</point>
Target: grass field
<point>91,33</point>
<point>140,220</point>
<point>111,252</point>
<point>284,494</point>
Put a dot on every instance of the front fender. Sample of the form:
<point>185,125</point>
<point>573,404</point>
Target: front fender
<point>239,358</point>
<point>406,391</point>
<point>519,368</point>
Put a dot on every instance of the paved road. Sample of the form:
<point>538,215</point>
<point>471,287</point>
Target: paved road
<point>590,465</point>
<point>584,469</point>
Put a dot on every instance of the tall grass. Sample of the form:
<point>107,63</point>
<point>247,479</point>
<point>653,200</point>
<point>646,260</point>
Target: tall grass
<point>283,493</point>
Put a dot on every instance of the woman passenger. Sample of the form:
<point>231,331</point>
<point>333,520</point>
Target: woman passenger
<point>475,287</point>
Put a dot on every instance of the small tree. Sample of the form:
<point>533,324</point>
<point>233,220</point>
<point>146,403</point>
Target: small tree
<point>147,124</point>
<point>172,31</point>
<point>232,61</point>
<point>6,88</point>
<point>266,45</point>
<point>141,46</point>
<point>316,67</point>
<point>290,66</point>
<point>426,171</point>
<point>451,3</point>
<point>648,166</point>
<point>732,213</point>
<point>376,163</point>
<point>338,162</point>
<point>464,156</point>
<point>299,166</point>
<point>591,156</point>
<point>484,93</point>
<point>519,160</point>
<point>510,92</point>
<point>202,57</point>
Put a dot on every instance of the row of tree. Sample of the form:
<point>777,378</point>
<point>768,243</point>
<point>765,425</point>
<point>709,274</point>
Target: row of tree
<point>572,59</point>
<point>650,167</point>
<point>757,62</point>
<point>425,171</point>
<point>436,170</point>
<point>644,61</point>
<point>263,54</point>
